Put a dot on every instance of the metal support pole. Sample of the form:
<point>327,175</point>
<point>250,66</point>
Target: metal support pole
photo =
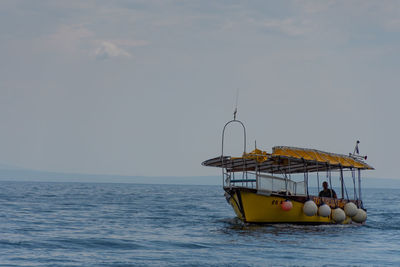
<point>257,176</point>
<point>342,182</point>
<point>306,177</point>
<point>330,179</point>
<point>359,185</point>
<point>353,176</point>
<point>318,182</point>
<point>286,183</point>
<point>223,174</point>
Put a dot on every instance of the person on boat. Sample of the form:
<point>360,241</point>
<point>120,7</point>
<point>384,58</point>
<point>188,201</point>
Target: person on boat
<point>327,192</point>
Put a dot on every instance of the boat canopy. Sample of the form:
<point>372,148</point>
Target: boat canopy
<point>284,159</point>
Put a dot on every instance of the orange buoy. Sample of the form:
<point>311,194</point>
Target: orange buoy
<point>287,205</point>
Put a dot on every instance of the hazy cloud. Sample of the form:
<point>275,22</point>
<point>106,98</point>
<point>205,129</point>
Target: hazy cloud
<point>290,26</point>
<point>68,38</point>
<point>109,50</point>
<point>77,38</point>
<point>130,43</point>
<point>316,6</point>
<point>393,25</point>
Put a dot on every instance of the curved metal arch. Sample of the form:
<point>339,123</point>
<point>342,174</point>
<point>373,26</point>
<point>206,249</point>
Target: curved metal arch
<point>244,135</point>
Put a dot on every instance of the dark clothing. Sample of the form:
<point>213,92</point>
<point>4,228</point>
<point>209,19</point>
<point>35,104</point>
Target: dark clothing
<point>327,193</point>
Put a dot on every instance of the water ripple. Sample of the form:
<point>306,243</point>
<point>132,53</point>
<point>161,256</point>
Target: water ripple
<point>78,224</point>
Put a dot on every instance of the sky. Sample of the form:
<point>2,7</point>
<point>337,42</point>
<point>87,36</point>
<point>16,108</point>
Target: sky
<point>143,88</point>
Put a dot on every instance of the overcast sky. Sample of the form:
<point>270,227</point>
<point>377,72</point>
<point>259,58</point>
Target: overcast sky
<point>145,87</point>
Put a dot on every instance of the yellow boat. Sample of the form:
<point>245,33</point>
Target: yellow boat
<point>261,189</point>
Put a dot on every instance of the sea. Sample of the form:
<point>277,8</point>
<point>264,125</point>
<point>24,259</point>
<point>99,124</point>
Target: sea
<point>108,224</point>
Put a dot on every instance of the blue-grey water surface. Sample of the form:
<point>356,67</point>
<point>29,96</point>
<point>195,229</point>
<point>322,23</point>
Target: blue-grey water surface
<point>89,224</point>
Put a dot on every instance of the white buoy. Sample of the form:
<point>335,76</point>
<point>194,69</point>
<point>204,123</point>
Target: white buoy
<point>310,208</point>
<point>360,217</point>
<point>324,210</point>
<point>338,215</point>
<point>350,209</point>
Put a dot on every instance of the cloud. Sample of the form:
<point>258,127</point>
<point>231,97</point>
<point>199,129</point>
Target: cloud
<point>78,40</point>
<point>109,50</point>
<point>68,38</point>
<point>312,7</point>
<point>130,43</point>
<point>392,25</point>
<point>290,26</point>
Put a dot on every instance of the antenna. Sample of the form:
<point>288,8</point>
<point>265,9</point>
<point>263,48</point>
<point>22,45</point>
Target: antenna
<point>356,150</point>
<point>237,99</point>
<point>356,153</point>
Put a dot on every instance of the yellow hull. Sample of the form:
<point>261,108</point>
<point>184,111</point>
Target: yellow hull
<point>256,208</point>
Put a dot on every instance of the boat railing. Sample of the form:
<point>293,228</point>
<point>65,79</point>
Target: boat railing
<point>269,184</point>
<point>244,179</point>
<point>265,184</point>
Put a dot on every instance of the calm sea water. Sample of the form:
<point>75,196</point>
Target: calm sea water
<point>88,224</point>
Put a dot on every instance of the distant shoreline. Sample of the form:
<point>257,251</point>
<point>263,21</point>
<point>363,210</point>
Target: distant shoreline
<point>43,176</point>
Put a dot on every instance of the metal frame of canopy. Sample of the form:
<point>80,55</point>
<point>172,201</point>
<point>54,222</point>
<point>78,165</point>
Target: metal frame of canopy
<point>285,161</point>
<point>276,164</point>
